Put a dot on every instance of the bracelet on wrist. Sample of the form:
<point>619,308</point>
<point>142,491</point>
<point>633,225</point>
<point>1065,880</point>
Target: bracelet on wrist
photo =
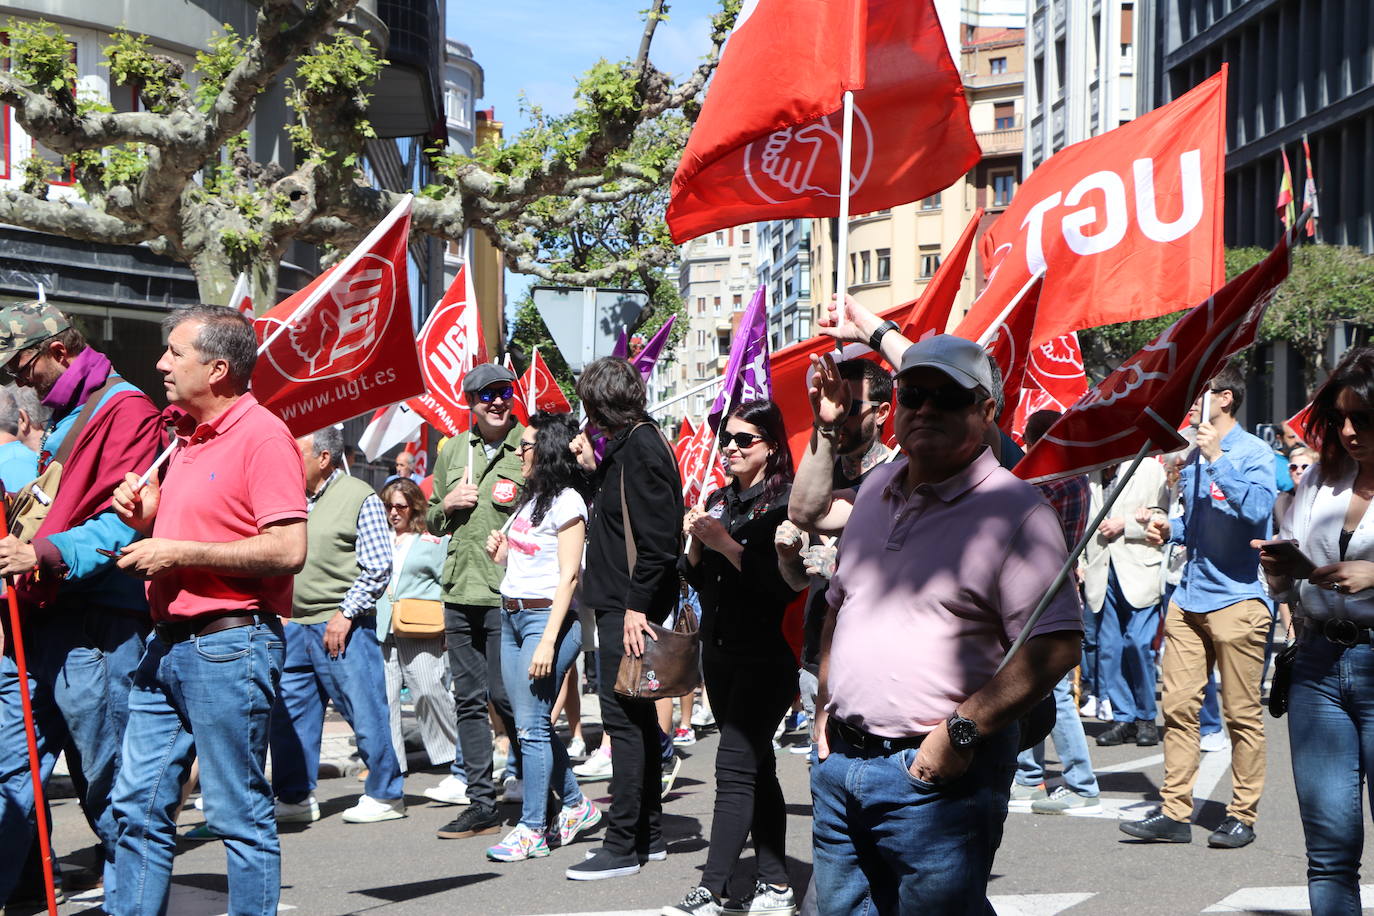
<point>829,430</point>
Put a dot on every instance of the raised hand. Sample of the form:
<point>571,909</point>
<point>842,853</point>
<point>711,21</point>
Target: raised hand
<point>829,392</point>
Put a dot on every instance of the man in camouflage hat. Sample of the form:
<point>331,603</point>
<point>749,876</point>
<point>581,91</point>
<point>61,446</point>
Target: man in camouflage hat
<point>84,621</point>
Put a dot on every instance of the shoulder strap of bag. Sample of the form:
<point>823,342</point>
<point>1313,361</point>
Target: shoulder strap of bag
<point>632,552</point>
<point>87,411</point>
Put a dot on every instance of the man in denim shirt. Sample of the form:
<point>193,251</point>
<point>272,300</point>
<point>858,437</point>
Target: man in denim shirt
<point>1218,611</point>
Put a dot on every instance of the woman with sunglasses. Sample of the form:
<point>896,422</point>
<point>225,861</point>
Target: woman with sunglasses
<point>418,662</point>
<point>750,670</point>
<point>1331,700</point>
<point>540,634</point>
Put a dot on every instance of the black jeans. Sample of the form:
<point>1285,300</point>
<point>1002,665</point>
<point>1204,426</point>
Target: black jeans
<point>473,637</point>
<point>632,823</point>
<point>749,696</point>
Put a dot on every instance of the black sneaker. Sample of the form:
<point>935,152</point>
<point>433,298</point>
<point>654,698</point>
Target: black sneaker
<point>478,820</point>
<point>698,902</point>
<point>1146,733</point>
<point>603,864</point>
<point>1232,834</point>
<point>1159,828</point>
<point>658,852</point>
<point>1120,733</point>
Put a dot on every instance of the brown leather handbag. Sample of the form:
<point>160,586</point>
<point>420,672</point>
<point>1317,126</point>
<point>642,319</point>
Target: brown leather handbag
<point>671,664</point>
<point>417,618</point>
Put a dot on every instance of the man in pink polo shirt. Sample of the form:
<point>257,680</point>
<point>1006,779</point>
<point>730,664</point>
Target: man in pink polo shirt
<point>943,558</point>
<point>227,533</point>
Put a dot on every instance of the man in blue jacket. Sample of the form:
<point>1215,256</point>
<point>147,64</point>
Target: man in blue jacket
<point>1218,612</point>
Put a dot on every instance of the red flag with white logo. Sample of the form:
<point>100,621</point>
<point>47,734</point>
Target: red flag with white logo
<point>767,142</point>
<point>1301,423</point>
<point>241,299</point>
<point>692,456</point>
<point>520,407</point>
<point>931,314</point>
<point>450,344</point>
<point>418,449</point>
<point>1054,380</point>
<point>1146,398</point>
<point>542,389</point>
<point>345,344</point>
<point>1126,225</point>
<point>1010,346</point>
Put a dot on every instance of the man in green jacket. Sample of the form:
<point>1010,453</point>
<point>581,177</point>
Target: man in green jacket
<point>477,483</point>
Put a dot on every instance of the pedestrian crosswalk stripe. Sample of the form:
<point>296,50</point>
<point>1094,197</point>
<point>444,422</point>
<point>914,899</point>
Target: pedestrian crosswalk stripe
<point>1276,900</point>
<point>1035,904</point>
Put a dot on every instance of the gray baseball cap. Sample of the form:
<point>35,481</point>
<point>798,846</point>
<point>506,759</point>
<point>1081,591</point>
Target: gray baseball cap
<point>484,374</point>
<point>960,359</point>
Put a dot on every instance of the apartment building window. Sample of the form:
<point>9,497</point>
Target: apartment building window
<point>790,234</point>
<point>737,302</point>
<point>1060,63</point>
<point>998,64</point>
<point>701,305</point>
<point>1003,186</point>
<point>804,280</point>
<point>930,260</point>
<point>930,203</point>
<point>853,266</point>
<point>723,345</point>
<point>701,373</point>
<point>1004,115</point>
<point>777,252</point>
<point>701,339</point>
<point>884,264</point>
<point>787,282</point>
<point>720,239</point>
<point>715,305</point>
<point>744,236</point>
<point>777,341</point>
<point>456,104</point>
<point>866,266</point>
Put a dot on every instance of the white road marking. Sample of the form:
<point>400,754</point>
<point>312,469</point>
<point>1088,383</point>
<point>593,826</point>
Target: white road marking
<point>1276,900</point>
<point>1215,764</point>
<point>1035,904</point>
<point>1127,766</point>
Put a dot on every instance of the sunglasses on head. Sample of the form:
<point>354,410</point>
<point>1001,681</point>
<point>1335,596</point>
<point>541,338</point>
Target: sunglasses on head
<point>949,397</point>
<point>743,440</point>
<point>487,395</point>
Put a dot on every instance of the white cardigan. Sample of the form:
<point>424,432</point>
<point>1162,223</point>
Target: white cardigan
<point>1315,520</point>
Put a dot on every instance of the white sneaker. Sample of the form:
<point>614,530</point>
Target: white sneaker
<point>1216,741</point>
<point>763,899</point>
<point>685,737</point>
<point>577,748</point>
<point>1104,711</point>
<point>370,810</point>
<point>702,717</point>
<point>452,791</point>
<point>1089,708</point>
<point>306,812</point>
<point>514,789</point>
<point>597,766</point>
<point>199,803</point>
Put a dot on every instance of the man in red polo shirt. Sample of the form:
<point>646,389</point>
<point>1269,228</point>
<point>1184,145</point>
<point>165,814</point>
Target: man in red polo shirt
<point>227,534</point>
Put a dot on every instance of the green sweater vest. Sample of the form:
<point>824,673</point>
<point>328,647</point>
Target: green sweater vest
<point>331,562</point>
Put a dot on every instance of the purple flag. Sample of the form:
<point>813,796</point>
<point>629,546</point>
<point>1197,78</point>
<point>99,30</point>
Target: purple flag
<point>622,345</point>
<point>746,374</point>
<point>644,360</point>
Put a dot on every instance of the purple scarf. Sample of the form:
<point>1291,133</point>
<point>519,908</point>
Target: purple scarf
<point>88,371</point>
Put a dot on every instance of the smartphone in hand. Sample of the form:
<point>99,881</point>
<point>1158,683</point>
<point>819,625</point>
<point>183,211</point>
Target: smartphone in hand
<point>1288,552</point>
<point>112,554</point>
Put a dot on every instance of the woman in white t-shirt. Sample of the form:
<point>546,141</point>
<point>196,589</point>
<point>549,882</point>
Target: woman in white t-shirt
<point>540,636</point>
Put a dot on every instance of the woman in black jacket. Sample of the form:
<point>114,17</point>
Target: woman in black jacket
<point>638,464</point>
<point>750,670</point>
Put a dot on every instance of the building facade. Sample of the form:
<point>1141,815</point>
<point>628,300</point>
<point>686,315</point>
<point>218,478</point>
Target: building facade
<point>716,278</point>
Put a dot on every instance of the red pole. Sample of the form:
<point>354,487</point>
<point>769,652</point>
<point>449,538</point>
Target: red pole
<point>40,810</point>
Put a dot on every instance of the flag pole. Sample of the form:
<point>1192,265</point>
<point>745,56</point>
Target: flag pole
<point>986,337</point>
<point>1078,549</point>
<point>842,243</point>
<point>530,399</point>
<point>40,807</point>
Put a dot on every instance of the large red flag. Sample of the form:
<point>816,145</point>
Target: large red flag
<point>1147,397</point>
<point>692,458</point>
<point>1054,380</point>
<point>931,314</point>
<point>542,389</point>
<point>520,407</point>
<point>345,344</point>
<point>1127,225</point>
<point>450,344</point>
<point>1010,347</point>
<point>767,143</point>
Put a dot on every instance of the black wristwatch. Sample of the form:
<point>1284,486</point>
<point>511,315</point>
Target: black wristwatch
<point>875,340</point>
<point>963,733</point>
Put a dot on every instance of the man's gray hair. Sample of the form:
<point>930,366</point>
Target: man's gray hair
<point>329,439</point>
<point>28,401</point>
<point>997,393</point>
<point>224,334</point>
<point>9,410</point>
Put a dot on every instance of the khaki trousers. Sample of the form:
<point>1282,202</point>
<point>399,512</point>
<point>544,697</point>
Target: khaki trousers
<point>1233,639</point>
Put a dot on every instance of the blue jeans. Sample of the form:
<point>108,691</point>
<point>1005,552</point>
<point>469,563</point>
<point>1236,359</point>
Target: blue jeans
<point>1069,743</point>
<point>81,664</point>
<point>1090,683</point>
<point>544,759</point>
<point>887,842</point>
<point>356,684</point>
<point>1331,731</point>
<point>1126,656</point>
<point>1209,714</point>
<point>207,698</point>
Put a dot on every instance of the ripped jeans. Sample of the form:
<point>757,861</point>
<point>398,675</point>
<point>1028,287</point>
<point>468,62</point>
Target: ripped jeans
<point>543,758</point>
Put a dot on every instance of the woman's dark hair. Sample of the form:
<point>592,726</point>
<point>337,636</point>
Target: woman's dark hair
<point>1356,374</point>
<point>767,418</point>
<point>555,467</point>
<point>612,391</point>
<point>413,496</point>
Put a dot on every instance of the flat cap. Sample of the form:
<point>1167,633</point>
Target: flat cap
<point>24,324</point>
<point>484,374</point>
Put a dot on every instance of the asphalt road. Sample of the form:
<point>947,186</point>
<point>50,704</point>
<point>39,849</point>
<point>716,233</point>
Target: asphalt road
<point>1047,865</point>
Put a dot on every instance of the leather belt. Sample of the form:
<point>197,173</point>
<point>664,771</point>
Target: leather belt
<point>175,631</point>
<point>1346,633</point>
<point>526,604</point>
<point>862,740</point>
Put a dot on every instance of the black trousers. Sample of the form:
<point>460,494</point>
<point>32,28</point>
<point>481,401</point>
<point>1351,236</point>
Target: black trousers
<point>473,637</point>
<point>632,823</point>
<point>749,696</point>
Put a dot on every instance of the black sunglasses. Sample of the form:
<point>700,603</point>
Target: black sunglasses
<point>743,440</point>
<point>857,406</point>
<point>487,395</point>
<point>1299,467</point>
<point>13,370</point>
<point>523,447</point>
<point>949,397</point>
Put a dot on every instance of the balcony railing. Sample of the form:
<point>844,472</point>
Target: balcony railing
<point>1008,140</point>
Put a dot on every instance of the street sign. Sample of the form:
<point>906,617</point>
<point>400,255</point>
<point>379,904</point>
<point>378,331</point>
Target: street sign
<point>585,322</point>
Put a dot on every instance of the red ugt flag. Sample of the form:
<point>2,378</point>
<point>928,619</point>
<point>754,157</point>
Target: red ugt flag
<point>1147,397</point>
<point>1010,347</point>
<point>1054,380</point>
<point>542,389</point>
<point>767,143</point>
<point>1125,225</point>
<point>450,344</point>
<point>349,344</point>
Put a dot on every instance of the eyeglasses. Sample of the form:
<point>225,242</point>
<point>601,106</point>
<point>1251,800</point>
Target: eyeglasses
<point>857,406</point>
<point>523,447</point>
<point>1298,467</point>
<point>487,395</point>
<point>400,507</point>
<point>12,372</point>
<point>947,398</point>
<point>742,440</point>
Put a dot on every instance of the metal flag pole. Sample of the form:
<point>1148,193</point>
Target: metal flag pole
<point>842,243</point>
<point>986,337</point>
<point>1072,560</point>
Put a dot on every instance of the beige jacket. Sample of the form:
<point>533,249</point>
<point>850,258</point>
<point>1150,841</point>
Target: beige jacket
<point>1137,563</point>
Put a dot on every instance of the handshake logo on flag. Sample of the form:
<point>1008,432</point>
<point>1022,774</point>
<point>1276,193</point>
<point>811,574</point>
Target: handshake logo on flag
<point>340,333</point>
<point>797,161</point>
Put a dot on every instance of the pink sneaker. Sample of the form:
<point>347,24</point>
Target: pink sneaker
<point>575,819</point>
<point>520,844</point>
